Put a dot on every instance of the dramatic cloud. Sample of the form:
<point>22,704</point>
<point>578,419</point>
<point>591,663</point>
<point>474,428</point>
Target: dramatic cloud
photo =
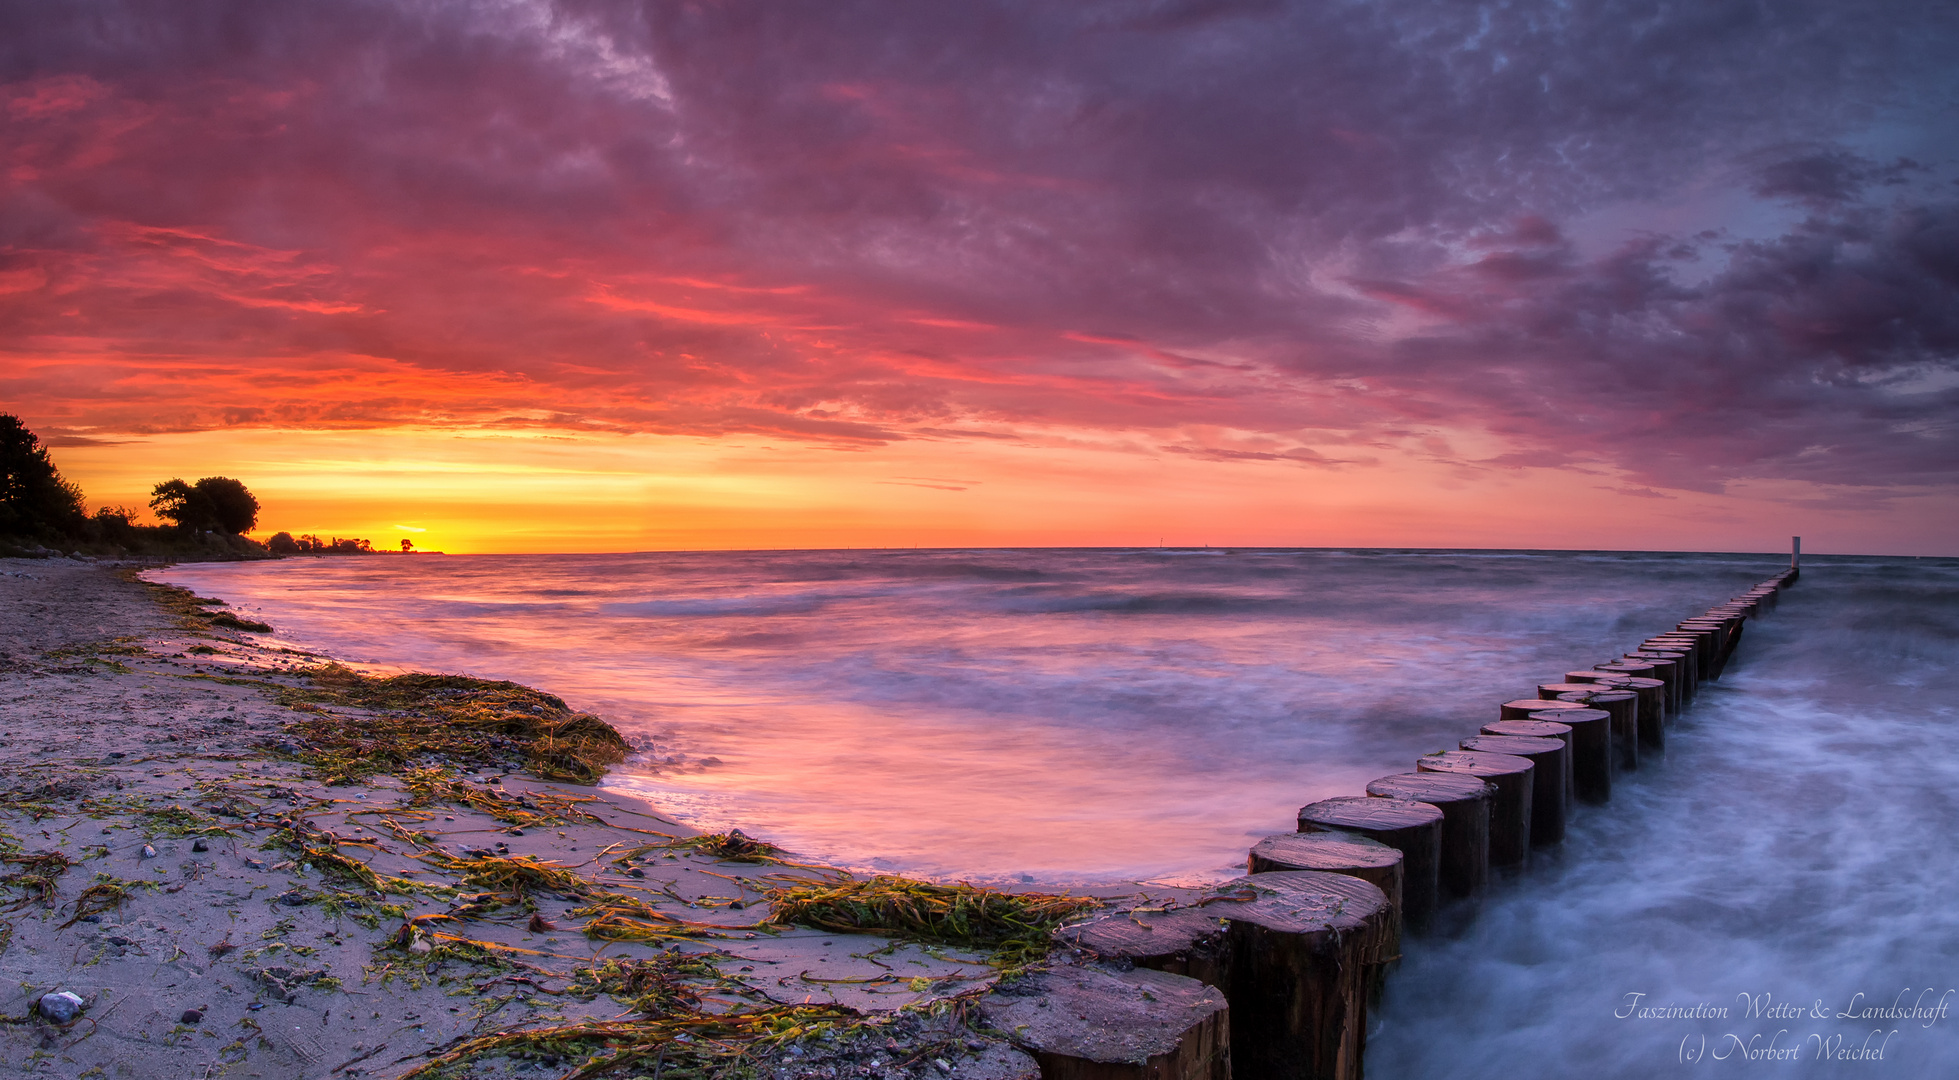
<point>1689,244</point>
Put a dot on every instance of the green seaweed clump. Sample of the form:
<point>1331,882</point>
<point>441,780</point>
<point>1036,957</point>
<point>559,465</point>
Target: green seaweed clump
<point>1015,925</point>
<point>454,719</point>
<point>234,622</point>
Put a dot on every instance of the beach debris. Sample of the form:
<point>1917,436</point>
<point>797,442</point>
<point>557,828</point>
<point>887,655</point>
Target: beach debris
<point>519,876</point>
<point>199,845</point>
<point>284,983</point>
<point>191,1016</point>
<point>99,897</point>
<point>37,876</point>
<point>733,845</point>
<point>233,622</point>
<point>148,852</point>
<point>1015,925</point>
<point>684,1044</point>
<point>60,1006</point>
<point>452,719</point>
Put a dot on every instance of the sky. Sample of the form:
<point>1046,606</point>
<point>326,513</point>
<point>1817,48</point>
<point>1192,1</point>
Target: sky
<point>509,275</point>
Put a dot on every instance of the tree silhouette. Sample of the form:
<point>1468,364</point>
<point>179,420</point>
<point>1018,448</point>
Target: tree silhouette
<point>213,503</point>
<point>34,498</point>
<point>234,507</point>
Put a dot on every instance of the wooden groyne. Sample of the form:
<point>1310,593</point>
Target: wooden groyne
<point>1299,947</point>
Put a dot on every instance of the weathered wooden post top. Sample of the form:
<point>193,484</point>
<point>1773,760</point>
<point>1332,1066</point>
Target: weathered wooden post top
<point>1795,552</point>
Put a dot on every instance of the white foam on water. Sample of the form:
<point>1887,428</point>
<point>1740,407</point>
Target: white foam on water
<point>1794,848</point>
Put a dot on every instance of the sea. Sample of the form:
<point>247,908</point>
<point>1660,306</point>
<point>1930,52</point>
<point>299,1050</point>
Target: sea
<point>1777,893</point>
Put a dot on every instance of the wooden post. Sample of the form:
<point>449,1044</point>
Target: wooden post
<point>1302,944</point>
<point>1652,725</point>
<point>1543,725</point>
<point>1605,678</point>
<point>1412,828</point>
<point>1665,670</point>
<point>1725,632</point>
<point>1087,1023</point>
<point>1640,669</point>
<point>1623,706</point>
<point>1547,780</point>
<point>1185,941</point>
<point>1344,853</point>
<point>1464,869</point>
<point>1521,708</point>
<point>1334,852</point>
<point>1706,644</point>
<point>1683,647</point>
<point>1591,750</point>
<point>1510,809</point>
<point>1552,691</point>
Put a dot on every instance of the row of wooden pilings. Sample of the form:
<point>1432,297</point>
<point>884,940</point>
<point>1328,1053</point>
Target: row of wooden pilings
<point>1269,976</point>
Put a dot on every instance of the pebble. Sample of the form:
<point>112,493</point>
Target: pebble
<point>199,845</point>
<point>149,852</point>
<point>294,898</point>
<point>61,1006</point>
<point>191,1016</point>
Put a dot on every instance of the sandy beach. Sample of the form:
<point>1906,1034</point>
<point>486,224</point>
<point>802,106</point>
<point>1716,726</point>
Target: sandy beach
<point>220,910</point>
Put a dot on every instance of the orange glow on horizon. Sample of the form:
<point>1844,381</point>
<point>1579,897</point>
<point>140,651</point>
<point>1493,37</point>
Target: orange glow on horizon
<point>477,492</point>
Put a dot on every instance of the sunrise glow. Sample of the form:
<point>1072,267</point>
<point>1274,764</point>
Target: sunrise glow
<point>533,279</point>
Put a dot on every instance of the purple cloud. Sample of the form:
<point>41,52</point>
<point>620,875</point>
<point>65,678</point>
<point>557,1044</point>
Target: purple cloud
<point>1319,227</point>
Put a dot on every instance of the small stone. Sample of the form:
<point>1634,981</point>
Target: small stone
<point>516,832</point>
<point>294,898</point>
<point>191,1016</point>
<point>636,872</point>
<point>420,945</point>
<point>199,845</point>
<point>256,1006</point>
<point>61,1006</point>
<point>149,852</point>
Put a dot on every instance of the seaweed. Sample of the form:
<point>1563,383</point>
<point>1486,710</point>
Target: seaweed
<point>37,876</point>
<point>681,1046</point>
<point>733,846</point>
<point>433,783</point>
<point>660,985</point>
<point>1015,925</point>
<point>233,622</point>
<point>104,895</point>
<point>448,719</point>
<point>518,876</point>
